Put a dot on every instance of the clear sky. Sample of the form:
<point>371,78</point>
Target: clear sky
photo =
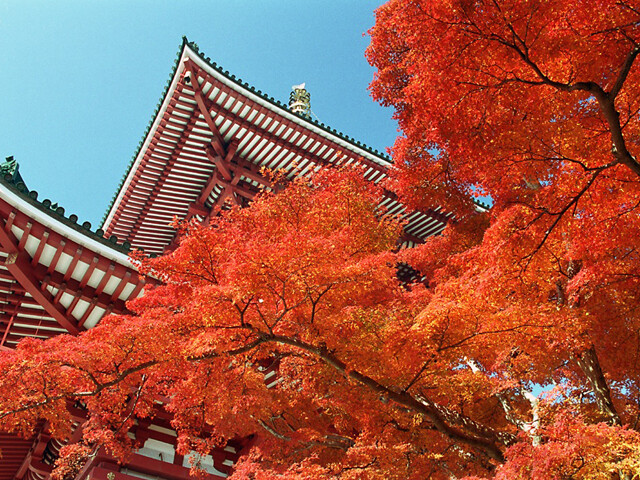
<point>80,79</point>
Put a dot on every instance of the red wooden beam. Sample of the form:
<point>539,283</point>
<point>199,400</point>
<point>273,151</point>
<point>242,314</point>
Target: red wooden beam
<point>17,298</point>
<point>87,293</point>
<point>251,171</point>
<point>197,208</point>
<point>258,129</point>
<point>43,241</point>
<point>74,262</point>
<point>33,332</point>
<point>19,265</point>
<point>219,110</point>
<point>202,106</point>
<point>25,235</point>
<point>6,332</point>
<point>76,298</point>
<point>234,167</point>
<point>139,287</point>
<point>35,322</point>
<point>87,275</point>
<point>33,461</point>
<point>221,165</point>
<point>221,156</point>
<point>408,237</point>
<point>123,283</point>
<point>56,256</point>
<point>105,279</point>
<point>88,311</point>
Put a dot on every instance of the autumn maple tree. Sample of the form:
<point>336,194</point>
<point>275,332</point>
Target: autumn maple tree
<point>534,104</point>
<point>513,355</point>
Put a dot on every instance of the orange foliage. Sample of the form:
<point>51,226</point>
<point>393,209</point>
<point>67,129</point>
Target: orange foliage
<point>533,104</point>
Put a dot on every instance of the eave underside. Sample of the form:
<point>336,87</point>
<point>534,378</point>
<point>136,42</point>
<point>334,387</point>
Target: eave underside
<point>50,284</point>
<point>208,150</point>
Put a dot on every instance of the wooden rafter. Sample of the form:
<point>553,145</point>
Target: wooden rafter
<point>7,328</point>
<point>211,106</point>
<point>237,134</point>
<point>409,237</point>
<point>157,188</point>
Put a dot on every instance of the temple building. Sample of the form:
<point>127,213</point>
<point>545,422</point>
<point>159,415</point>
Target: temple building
<point>205,148</point>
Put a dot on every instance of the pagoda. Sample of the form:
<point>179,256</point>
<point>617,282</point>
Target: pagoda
<point>206,148</point>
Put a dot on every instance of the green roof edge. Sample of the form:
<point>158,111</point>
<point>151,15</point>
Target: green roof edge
<point>31,197</point>
<point>146,133</point>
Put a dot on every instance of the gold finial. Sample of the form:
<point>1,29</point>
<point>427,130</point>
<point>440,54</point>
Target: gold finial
<point>300,101</point>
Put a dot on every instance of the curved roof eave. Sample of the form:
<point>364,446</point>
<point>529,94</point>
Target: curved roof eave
<point>189,50</point>
<point>64,226</point>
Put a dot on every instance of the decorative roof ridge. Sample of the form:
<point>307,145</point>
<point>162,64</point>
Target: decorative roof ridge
<point>481,204</point>
<point>57,212</point>
<point>239,82</point>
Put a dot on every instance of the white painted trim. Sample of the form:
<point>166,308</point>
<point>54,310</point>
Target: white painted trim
<point>147,140</point>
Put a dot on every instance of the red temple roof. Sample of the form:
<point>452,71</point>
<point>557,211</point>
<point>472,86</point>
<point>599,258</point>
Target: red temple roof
<point>211,136</point>
<point>56,276</point>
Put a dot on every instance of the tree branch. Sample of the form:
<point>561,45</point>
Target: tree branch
<point>624,72</point>
<point>606,100</point>
<point>473,434</point>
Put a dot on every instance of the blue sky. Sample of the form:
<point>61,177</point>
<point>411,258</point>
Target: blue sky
<point>81,78</point>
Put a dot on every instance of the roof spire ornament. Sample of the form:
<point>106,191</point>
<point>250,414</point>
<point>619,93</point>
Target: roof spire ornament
<point>300,101</point>
<point>11,168</point>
